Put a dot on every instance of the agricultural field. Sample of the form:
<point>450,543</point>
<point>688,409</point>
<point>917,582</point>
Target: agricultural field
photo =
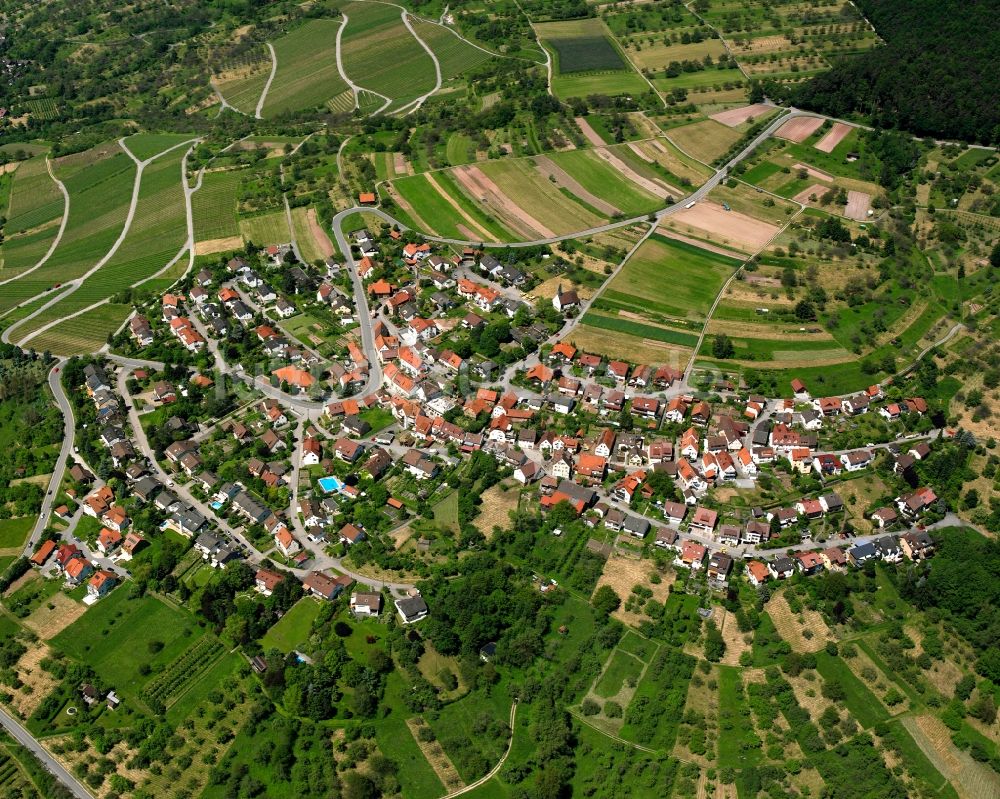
<point>307,74</point>
<point>381,55</point>
<point>587,60</point>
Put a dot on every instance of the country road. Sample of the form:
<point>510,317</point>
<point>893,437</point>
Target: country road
<point>25,738</point>
<point>267,86</point>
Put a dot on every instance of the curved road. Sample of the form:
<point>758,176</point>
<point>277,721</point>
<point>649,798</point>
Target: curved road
<point>267,86</point>
<point>23,737</point>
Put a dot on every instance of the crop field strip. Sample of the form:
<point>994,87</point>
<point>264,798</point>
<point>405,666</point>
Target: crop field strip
<point>380,54</point>
<point>241,83</point>
<point>602,179</point>
<point>156,235</point>
<point>214,206</point>
<point>170,683</point>
<point>100,188</point>
<point>87,332</point>
<point>455,55</point>
<point>586,59</point>
<point>307,75</point>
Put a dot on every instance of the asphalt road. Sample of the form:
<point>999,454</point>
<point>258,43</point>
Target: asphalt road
<point>23,737</point>
<point>69,436</point>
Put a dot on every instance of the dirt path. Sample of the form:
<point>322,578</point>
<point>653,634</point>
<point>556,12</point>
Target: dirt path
<point>704,245</point>
<point>655,187</point>
<point>479,186</point>
<point>589,133</point>
<point>471,223</point>
<point>563,179</point>
<point>833,137</point>
<point>267,86</point>
<point>636,148</point>
<point>323,243</point>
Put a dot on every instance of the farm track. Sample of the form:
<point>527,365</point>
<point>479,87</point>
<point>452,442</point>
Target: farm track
<point>59,234</point>
<point>343,73</point>
<point>405,17</point>
<point>267,86</point>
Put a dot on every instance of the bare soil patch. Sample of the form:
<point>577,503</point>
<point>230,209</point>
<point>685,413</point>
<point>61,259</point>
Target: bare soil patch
<point>791,629</point>
<point>496,507</point>
<point>833,137</point>
<point>22,581</point>
<point>730,226</point>
<point>479,186</point>
<point>563,179</point>
<point>858,203</point>
<point>589,133</point>
<point>765,44</point>
<point>211,246</point>
<point>623,573</point>
<point>799,129</point>
<point>737,116</point>
<point>548,288</point>
<point>438,759</point>
<point>56,614</point>
<point>619,345</point>
<point>37,683</point>
<point>323,243</point>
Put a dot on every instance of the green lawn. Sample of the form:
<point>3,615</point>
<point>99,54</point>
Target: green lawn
<point>622,667</point>
<point>446,511</point>
<point>639,329</point>
<point>416,777</point>
<point>292,630</point>
<point>267,228</point>
<point>604,181</point>
<point>120,634</point>
<point>13,532</point>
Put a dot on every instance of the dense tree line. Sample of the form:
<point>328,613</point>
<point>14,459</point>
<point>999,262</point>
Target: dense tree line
<point>936,75</point>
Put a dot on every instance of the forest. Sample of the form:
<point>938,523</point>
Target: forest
<point>929,78</point>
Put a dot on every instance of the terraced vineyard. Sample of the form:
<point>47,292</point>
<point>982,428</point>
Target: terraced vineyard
<point>380,54</point>
<point>157,234</point>
<point>36,206</point>
<point>307,75</point>
<point>214,206</point>
<point>87,332</point>
<point>99,182</point>
<point>453,53</point>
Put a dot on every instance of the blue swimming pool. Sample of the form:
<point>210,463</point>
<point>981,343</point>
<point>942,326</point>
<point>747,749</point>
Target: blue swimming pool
<point>216,504</point>
<point>330,484</point>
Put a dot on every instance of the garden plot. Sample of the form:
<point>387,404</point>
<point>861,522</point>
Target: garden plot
<point>498,502</point>
<point>736,642</point>
<point>36,682</point>
<point>800,128</point>
<point>702,702</point>
<point>833,137</point>
<point>603,174</point>
<point>312,240</point>
<point>56,614</point>
<point>268,228</point>
<point>564,180</point>
<point>858,205</point>
<point>307,74</point>
<point>620,344</point>
<point>738,116</point>
<point>436,757</point>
